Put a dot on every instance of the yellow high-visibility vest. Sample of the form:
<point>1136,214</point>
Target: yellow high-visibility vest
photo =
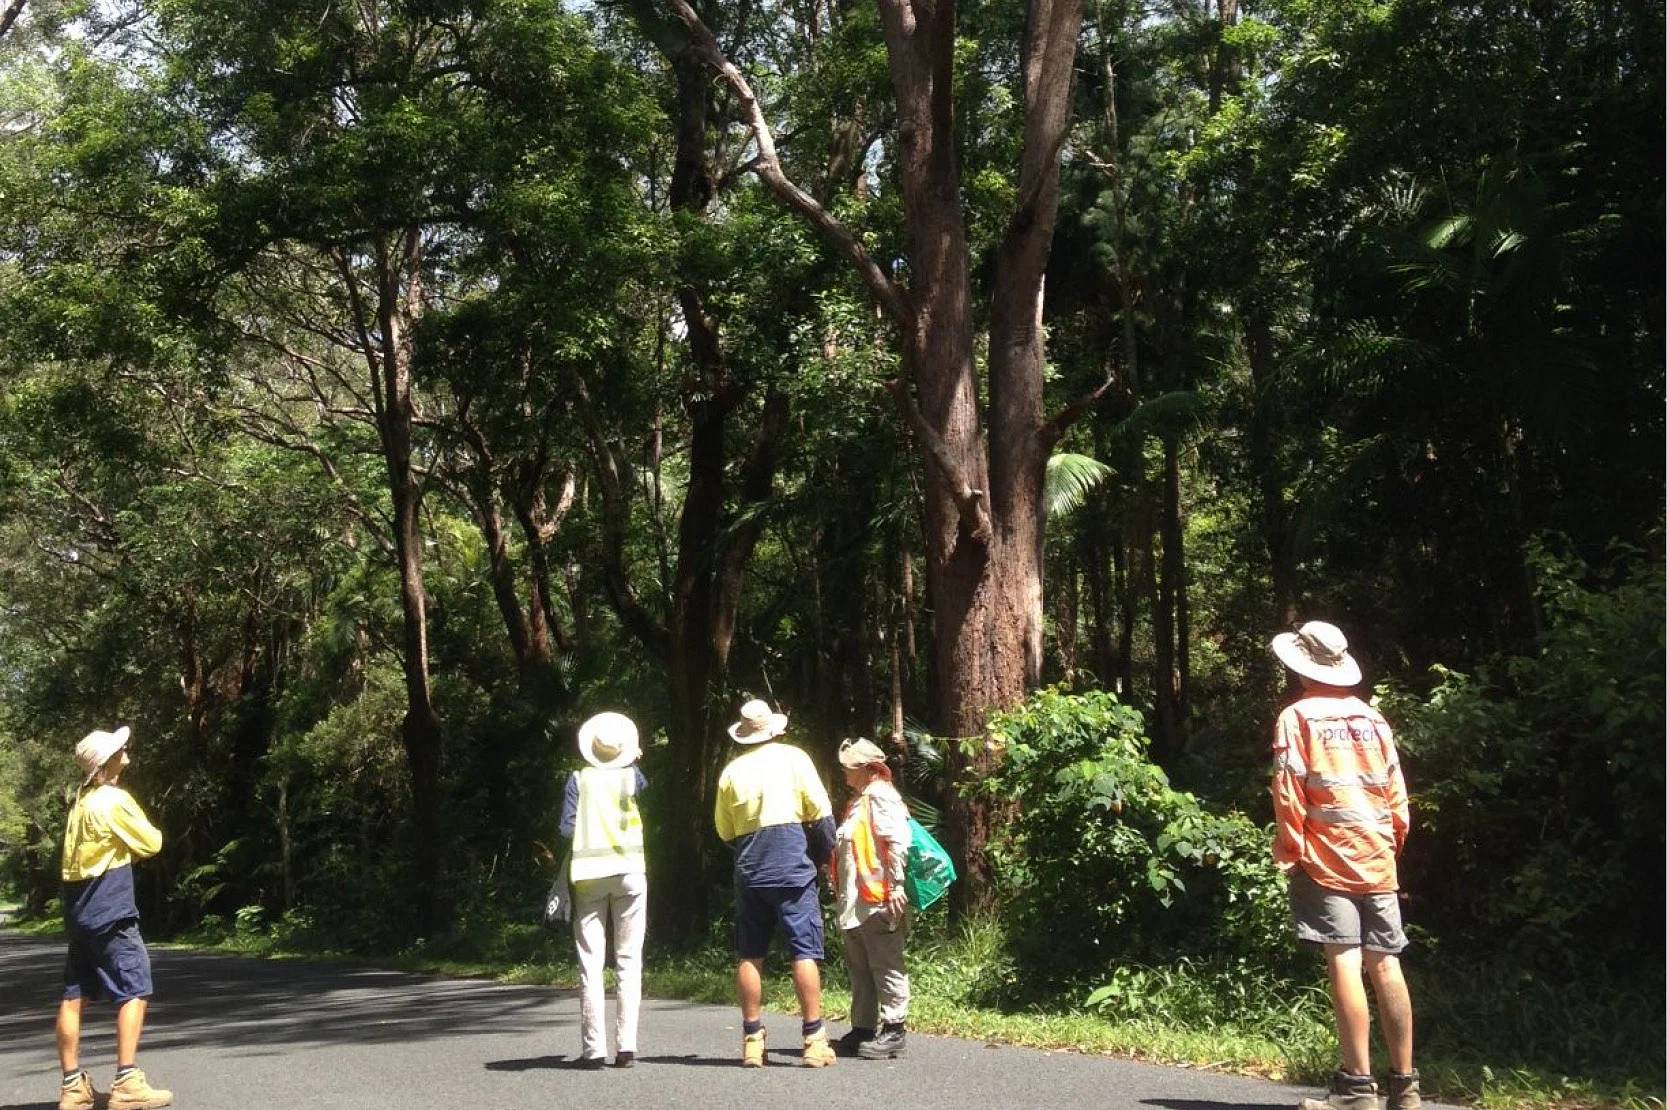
<point>607,830</point>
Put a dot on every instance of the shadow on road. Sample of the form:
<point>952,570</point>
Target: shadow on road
<point>690,1061</point>
<point>32,1106</point>
<point>253,1004</point>
<point>536,1063</point>
<point>1206,1104</point>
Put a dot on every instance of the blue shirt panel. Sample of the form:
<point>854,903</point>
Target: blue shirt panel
<point>783,855</point>
<point>93,905</point>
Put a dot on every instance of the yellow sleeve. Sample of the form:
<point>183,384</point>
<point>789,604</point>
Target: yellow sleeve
<point>134,829</point>
<point>723,812</point>
<point>813,796</point>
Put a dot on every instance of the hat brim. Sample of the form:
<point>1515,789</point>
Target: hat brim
<point>776,726</point>
<point>1287,646</point>
<point>590,732</point>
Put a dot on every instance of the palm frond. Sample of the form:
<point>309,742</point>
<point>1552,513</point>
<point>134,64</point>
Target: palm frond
<point>1068,482</point>
<point>1165,412</point>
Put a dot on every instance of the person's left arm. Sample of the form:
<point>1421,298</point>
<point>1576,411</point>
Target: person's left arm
<point>815,813</point>
<point>890,818</point>
<point>1400,812</point>
<point>130,824</point>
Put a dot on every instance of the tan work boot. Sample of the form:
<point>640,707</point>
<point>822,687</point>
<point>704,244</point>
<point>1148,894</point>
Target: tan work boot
<point>1348,1092</point>
<point>78,1095</point>
<point>752,1050</point>
<point>818,1052</point>
<point>133,1092</point>
<point>1403,1092</point>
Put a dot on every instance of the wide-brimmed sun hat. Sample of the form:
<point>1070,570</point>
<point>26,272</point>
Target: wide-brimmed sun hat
<point>860,753</point>
<point>97,748</point>
<point>1318,651</point>
<point>758,723</point>
<point>609,740</point>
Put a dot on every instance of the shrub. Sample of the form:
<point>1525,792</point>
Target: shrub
<point>1103,862</point>
<point>1536,782</point>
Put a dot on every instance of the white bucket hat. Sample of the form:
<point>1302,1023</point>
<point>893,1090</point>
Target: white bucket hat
<point>1318,651</point>
<point>609,740</point>
<point>757,724</point>
<point>96,749</point>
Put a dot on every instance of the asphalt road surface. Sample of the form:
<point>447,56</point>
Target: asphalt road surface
<point>235,1034</point>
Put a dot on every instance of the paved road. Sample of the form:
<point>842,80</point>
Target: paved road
<point>232,1034</point>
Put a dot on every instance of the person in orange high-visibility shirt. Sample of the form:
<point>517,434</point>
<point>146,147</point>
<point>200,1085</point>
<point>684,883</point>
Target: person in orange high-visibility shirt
<point>1340,807</point>
<point>871,851</point>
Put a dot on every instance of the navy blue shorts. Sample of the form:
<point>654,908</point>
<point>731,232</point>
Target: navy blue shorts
<point>759,909</point>
<point>111,963</point>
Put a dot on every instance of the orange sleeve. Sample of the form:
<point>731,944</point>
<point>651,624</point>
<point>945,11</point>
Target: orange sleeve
<point>1290,790</point>
<point>1400,812</point>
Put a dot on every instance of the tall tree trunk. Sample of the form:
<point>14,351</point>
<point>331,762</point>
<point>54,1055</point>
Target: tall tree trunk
<point>1170,614</point>
<point>399,302</point>
<point>501,573</point>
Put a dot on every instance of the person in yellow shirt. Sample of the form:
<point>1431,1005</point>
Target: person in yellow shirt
<point>105,833</point>
<point>773,811</point>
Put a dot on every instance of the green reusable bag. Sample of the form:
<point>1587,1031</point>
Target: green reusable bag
<point>929,871</point>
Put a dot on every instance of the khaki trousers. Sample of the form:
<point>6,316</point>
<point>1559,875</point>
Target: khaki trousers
<point>624,900</point>
<point>879,980</point>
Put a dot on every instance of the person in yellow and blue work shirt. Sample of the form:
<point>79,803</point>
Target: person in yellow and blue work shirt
<point>609,880</point>
<point>774,812</point>
<point>870,860</point>
<point>105,833</point>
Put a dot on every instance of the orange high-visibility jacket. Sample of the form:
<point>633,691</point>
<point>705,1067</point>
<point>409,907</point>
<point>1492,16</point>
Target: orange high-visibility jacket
<point>1339,801</point>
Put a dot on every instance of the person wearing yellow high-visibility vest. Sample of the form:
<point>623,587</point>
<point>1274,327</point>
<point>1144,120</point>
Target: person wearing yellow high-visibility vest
<point>609,880</point>
<point>871,850</point>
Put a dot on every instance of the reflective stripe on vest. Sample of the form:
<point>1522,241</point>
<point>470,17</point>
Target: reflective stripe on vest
<point>607,830</point>
<point>868,853</point>
<point>1339,782</point>
<point>1327,815</point>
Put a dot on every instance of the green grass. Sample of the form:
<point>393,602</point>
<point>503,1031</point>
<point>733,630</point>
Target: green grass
<point>1492,1039</point>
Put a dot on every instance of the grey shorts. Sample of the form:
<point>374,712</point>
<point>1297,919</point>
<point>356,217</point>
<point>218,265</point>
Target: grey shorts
<point>1325,916</point>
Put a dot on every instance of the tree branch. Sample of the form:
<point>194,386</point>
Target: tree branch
<point>9,16</point>
<point>1071,413</point>
<point>973,503</point>
<point>768,168</point>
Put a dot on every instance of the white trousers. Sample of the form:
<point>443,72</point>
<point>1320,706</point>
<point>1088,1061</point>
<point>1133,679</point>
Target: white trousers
<point>624,899</point>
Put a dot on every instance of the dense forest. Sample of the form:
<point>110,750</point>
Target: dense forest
<point>386,386</point>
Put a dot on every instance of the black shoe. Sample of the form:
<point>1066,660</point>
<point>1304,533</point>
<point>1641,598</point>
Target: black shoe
<point>887,1046</point>
<point>590,1063</point>
<point>847,1045</point>
<point>625,1059</point>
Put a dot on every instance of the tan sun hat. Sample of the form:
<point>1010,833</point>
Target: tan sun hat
<point>1318,651</point>
<point>609,740</point>
<point>757,724</point>
<point>97,748</point>
<point>860,753</point>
